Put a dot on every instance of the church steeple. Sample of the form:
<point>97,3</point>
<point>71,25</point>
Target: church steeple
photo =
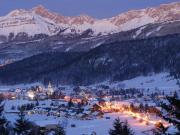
<point>50,89</point>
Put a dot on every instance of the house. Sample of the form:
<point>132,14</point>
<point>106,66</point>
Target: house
<point>7,95</point>
<point>46,125</point>
<point>42,96</point>
<point>101,101</point>
<point>95,107</point>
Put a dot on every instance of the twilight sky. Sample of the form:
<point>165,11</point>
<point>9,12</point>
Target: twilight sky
<point>95,8</point>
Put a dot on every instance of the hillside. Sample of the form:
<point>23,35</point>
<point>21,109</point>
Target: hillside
<point>114,61</point>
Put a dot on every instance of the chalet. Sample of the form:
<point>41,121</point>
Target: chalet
<point>96,107</point>
<point>101,101</point>
<point>46,125</point>
<point>7,95</point>
<point>42,96</point>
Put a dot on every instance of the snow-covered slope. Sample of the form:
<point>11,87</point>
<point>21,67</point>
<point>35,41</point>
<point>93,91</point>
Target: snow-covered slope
<point>40,20</point>
<point>25,21</point>
<point>161,81</point>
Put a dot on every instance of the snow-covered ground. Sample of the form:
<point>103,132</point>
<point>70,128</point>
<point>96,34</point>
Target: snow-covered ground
<point>161,81</point>
<point>20,102</point>
<point>100,126</point>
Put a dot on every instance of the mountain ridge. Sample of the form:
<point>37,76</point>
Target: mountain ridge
<point>20,21</point>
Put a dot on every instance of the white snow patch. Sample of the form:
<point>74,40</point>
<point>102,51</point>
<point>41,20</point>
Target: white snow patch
<point>68,49</point>
<point>137,22</point>
<point>98,44</point>
<point>138,32</point>
<point>156,30</point>
<point>149,33</point>
<point>60,43</point>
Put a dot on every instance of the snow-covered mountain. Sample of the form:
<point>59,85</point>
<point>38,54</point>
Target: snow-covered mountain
<point>24,33</point>
<point>41,21</point>
<point>26,21</point>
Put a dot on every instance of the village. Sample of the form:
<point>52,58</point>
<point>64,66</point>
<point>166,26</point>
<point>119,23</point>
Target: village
<point>48,106</point>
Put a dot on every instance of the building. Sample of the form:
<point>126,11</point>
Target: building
<point>50,89</point>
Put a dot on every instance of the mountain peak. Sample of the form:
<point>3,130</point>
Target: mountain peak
<point>83,18</point>
<point>77,20</point>
<point>39,8</point>
<point>42,11</point>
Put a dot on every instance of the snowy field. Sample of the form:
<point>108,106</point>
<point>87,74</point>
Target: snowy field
<point>160,81</point>
<point>100,126</point>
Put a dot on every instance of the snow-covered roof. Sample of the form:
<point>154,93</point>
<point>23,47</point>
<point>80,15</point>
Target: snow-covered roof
<point>43,123</point>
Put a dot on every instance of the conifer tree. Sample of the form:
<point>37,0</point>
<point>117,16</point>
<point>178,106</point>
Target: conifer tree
<point>22,125</point>
<point>60,130</point>
<point>172,111</point>
<point>141,107</point>
<point>160,129</point>
<point>70,103</point>
<point>132,107</point>
<point>3,121</point>
<point>175,94</point>
<point>120,128</point>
